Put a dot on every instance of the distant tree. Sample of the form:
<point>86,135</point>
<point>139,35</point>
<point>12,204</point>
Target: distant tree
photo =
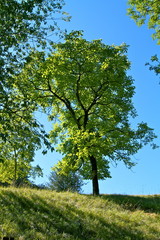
<point>86,86</point>
<point>143,11</point>
<point>70,182</point>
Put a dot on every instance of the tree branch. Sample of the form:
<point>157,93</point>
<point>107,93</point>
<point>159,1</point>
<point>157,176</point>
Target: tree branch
<point>67,104</point>
<point>77,93</point>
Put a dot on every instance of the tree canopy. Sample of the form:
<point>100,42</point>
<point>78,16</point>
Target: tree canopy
<point>25,24</point>
<point>86,87</point>
<point>146,11</point>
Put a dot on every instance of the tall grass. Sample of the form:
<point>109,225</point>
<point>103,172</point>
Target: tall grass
<point>42,214</point>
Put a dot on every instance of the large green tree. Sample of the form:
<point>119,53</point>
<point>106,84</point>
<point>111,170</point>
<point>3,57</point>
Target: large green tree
<point>143,11</point>
<point>86,86</point>
<point>24,25</point>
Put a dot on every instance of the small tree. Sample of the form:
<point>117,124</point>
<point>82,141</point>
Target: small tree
<point>71,182</point>
<point>17,152</point>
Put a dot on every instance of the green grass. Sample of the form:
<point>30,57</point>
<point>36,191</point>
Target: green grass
<point>42,214</point>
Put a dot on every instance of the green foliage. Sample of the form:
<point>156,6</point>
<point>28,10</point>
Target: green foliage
<point>71,182</point>
<point>86,86</point>
<point>17,152</point>
<point>155,65</point>
<point>24,25</point>
<point>21,136</point>
<point>32,214</point>
<point>146,10</point>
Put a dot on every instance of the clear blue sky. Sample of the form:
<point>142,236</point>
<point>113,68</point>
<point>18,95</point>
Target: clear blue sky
<point>107,20</point>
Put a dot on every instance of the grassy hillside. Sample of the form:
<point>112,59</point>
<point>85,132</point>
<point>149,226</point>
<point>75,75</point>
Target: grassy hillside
<point>42,214</point>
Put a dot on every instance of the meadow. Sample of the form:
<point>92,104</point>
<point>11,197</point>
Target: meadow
<point>47,215</point>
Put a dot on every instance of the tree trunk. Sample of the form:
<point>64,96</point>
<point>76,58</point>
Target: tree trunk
<point>15,172</point>
<point>15,169</point>
<point>94,176</point>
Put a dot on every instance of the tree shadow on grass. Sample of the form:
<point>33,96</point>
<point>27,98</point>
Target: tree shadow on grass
<point>148,204</point>
<point>34,218</point>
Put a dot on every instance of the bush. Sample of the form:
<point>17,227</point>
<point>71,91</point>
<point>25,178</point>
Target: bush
<point>72,182</point>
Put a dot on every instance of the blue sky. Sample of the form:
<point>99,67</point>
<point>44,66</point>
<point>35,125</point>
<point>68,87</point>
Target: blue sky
<point>107,20</point>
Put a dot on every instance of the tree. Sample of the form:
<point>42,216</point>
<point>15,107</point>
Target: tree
<point>20,136</point>
<point>17,153</point>
<point>86,86</point>
<point>24,25</point>
<point>71,182</point>
<point>146,10</point>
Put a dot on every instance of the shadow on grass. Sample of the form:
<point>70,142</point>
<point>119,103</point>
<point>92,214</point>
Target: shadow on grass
<point>148,204</point>
<point>34,218</point>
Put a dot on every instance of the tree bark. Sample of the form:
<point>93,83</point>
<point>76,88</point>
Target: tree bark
<point>94,176</point>
<point>15,169</point>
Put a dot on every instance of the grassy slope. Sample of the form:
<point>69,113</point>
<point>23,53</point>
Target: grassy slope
<point>41,214</point>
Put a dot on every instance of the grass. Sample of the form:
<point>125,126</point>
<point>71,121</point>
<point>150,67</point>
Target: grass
<point>42,214</point>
